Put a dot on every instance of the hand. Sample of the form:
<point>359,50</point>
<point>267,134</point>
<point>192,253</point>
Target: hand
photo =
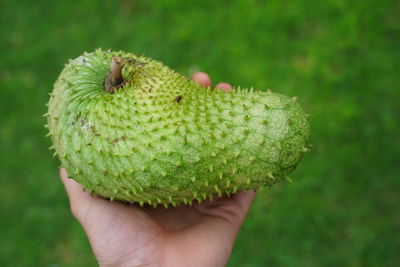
<point>127,235</point>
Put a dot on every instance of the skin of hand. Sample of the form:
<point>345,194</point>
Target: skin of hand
<point>128,235</point>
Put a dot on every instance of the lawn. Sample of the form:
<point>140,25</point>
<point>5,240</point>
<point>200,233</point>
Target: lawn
<point>341,58</point>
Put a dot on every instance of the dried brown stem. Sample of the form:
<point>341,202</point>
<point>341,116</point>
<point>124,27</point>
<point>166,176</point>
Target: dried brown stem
<point>114,78</point>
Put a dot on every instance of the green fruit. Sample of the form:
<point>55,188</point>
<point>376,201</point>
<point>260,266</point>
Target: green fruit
<point>153,136</point>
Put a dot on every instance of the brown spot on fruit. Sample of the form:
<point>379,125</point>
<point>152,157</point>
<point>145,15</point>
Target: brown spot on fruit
<point>116,140</point>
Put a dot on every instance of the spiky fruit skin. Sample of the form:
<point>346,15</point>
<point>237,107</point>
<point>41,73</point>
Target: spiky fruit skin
<point>163,139</point>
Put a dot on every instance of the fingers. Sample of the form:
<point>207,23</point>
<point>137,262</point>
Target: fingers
<point>79,200</point>
<point>74,190</point>
<point>203,79</point>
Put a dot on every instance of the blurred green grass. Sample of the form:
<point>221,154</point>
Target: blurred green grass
<point>340,57</point>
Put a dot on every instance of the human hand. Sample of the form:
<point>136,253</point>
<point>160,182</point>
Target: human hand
<point>128,235</point>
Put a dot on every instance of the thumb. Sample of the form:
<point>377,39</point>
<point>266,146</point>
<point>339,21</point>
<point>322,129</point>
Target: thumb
<point>83,204</point>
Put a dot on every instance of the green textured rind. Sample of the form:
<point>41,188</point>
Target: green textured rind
<point>163,139</point>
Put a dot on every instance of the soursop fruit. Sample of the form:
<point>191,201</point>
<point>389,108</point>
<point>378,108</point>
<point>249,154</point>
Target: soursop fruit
<point>129,128</point>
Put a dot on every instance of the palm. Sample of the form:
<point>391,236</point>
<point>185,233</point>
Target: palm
<point>201,235</point>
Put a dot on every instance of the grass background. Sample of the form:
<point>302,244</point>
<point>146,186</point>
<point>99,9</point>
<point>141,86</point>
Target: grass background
<point>340,57</point>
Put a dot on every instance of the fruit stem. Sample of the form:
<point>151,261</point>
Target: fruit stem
<point>114,78</point>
